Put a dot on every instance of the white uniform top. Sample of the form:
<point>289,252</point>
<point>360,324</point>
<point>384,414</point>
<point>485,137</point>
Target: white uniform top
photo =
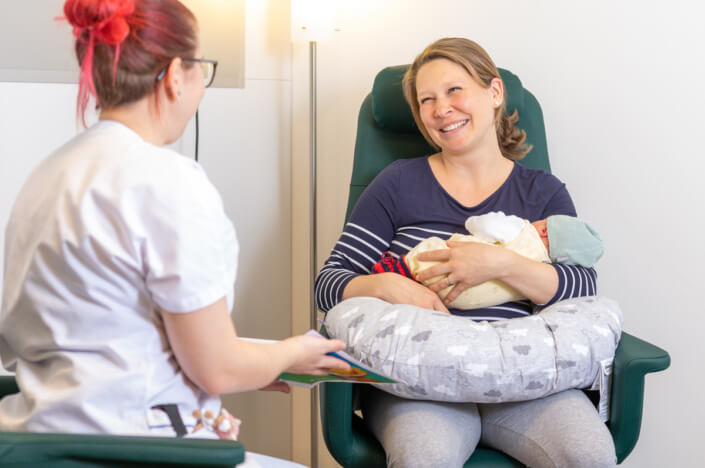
<point>104,230</point>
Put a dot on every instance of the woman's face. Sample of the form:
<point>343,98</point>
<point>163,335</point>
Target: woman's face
<point>457,112</point>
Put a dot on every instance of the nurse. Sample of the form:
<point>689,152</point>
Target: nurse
<point>120,261</point>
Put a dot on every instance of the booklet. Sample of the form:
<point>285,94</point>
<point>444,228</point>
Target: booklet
<point>358,373</point>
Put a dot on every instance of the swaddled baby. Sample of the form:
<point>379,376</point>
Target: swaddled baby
<point>558,238</point>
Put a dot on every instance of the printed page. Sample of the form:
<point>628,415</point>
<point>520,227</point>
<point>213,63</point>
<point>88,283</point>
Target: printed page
<point>358,373</point>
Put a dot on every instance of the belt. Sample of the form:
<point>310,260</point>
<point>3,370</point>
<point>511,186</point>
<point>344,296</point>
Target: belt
<point>172,412</point>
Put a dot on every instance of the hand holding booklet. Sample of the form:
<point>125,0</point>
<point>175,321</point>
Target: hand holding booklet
<point>358,373</point>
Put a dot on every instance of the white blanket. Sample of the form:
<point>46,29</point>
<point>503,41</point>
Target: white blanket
<point>527,243</point>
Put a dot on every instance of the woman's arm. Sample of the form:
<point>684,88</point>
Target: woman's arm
<point>395,289</point>
<point>366,236</point>
<point>468,264</point>
<point>208,350</point>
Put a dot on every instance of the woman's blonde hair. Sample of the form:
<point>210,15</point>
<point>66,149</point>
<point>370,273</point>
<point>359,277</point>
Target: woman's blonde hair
<point>475,60</point>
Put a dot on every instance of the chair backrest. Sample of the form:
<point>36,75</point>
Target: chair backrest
<point>386,130</point>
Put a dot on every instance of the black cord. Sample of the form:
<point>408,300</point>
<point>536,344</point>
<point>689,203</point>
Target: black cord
<point>196,151</point>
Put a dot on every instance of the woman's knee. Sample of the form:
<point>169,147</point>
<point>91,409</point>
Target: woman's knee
<point>598,454</point>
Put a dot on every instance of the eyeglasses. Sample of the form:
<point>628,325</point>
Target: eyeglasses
<point>208,68</point>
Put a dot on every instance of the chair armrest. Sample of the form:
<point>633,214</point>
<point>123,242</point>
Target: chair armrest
<point>633,360</point>
<point>65,450</point>
<point>82,450</point>
<point>346,436</point>
<point>8,385</point>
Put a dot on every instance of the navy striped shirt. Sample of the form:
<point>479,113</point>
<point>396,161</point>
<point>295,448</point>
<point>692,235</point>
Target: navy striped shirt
<point>405,204</point>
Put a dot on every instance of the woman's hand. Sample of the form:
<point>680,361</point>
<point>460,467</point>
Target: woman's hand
<point>463,265</point>
<point>395,289</point>
<point>310,355</point>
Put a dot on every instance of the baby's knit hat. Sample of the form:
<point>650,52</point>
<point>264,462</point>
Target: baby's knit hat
<point>572,241</point>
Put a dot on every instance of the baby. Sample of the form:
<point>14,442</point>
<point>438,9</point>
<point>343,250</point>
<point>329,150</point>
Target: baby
<point>558,238</point>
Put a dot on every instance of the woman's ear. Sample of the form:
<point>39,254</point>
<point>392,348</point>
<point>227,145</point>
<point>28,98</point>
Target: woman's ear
<point>497,90</point>
<point>173,79</point>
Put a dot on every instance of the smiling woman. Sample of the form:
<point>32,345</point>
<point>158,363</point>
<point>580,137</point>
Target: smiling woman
<point>457,99</point>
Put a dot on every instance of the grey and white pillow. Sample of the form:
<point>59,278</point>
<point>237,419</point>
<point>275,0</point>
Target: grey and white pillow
<point>436,356</point>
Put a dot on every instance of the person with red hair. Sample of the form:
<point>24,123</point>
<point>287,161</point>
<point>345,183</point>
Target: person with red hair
<point>120,260</point>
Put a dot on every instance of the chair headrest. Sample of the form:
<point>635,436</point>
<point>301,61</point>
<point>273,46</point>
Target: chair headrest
<point>391,111</point>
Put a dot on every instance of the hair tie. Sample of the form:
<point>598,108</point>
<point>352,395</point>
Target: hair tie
<point>106,23</point>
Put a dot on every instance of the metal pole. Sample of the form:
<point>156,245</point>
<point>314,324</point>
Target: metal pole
<point>314,243</point>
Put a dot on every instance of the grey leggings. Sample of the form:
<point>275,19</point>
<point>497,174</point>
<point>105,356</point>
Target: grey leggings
<point>561,430</point>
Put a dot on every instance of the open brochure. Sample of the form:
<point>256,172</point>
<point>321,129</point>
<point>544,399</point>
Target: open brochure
<point>358,373</point>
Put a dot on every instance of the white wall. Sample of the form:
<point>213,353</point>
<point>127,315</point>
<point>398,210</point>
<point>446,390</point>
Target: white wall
<point>245,149</point>
<point>621,88</point>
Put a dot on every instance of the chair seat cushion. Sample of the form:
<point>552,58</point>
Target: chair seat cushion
<point>436,356</point>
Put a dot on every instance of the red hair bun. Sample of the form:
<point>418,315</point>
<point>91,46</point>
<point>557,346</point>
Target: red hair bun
<point>106,19</point>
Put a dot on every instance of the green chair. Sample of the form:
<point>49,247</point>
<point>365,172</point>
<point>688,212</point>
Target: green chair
<point>28,449</point>
<point>386,132</point>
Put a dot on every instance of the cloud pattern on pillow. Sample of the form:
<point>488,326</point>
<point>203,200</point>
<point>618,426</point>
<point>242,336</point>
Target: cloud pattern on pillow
<point>442,357</point>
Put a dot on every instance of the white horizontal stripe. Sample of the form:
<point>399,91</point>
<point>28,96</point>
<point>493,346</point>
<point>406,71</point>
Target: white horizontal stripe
<point>412,237</point>
<point>334,296</point>
<point>510,309</point>
<point>396,242</point>
<point>593,281</point>
<point>327,286</point>
<point>358,251</point>
<point>362,267</point>
<point>324,284</point>
<point>370,233</point>
<point>406,228</point>
<point>572,277</point>
<point>581,274</point>
<point>565,281</point>
<point>327,268</point>
<point>379,252</point>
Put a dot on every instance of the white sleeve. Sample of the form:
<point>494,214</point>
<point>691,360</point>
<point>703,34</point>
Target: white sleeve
<point>188,246</point>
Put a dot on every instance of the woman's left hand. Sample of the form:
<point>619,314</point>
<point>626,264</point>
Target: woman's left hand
<point>463,265</point>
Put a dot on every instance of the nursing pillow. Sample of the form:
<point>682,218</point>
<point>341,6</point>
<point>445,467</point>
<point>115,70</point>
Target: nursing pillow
<point>436,356</point>
<point>527,243</point>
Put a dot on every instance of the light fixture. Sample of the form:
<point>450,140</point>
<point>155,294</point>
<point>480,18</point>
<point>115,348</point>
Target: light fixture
<point>312,21</point>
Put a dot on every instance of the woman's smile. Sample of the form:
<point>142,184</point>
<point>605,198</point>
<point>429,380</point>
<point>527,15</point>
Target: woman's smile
<point>454,126</point>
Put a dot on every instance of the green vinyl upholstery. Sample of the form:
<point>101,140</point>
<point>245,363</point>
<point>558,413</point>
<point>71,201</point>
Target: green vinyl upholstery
<point>27,449</point>
<point>386,132</point>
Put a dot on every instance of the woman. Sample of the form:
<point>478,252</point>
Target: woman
<point>457,97</point>
<point>120,260</point>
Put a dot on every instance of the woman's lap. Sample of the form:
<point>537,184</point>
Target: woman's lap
<point>559,430</point>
